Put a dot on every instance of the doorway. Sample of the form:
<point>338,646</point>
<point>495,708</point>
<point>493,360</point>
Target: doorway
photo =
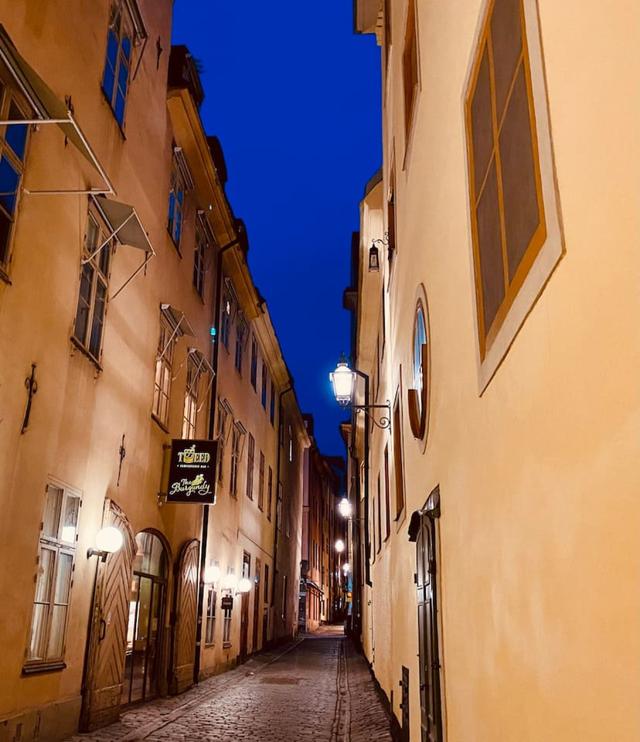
<point>424,527</point>
<point>146,614</point>
<point>244,610</point>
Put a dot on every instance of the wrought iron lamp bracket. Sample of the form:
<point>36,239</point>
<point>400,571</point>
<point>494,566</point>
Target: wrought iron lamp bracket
<point>384,421</point>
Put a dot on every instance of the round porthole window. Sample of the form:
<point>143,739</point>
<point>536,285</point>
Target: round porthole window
<point>419,390</point>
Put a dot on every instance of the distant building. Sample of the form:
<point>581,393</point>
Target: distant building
<point>321,581</point>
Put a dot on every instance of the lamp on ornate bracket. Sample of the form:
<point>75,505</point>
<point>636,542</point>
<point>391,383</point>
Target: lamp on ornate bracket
<point>343,381</point>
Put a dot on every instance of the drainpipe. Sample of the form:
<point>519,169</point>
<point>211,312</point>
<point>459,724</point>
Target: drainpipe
<point>212,415</point>
<point>367,540</point>
<point>278,465</point>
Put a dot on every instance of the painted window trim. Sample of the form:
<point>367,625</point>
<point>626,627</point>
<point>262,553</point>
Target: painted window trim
<point>490,352</point>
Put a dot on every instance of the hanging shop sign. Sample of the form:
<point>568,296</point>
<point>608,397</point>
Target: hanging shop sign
<point>226,603</point>
<point>192,471</point>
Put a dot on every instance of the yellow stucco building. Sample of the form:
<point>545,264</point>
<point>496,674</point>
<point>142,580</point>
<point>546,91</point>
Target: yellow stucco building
<point>495,297</point>
<point>118,250</point>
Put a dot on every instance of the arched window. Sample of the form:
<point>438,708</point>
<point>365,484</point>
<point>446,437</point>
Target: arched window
<point>419,391</point>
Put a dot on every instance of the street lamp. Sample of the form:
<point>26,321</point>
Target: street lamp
<point>212,574</point>
<point>108,540</point>
<point>244,585</point>
<point>345,508</point>
<point>346,568</point>
<point>343,380</point>
<point>339,546</point>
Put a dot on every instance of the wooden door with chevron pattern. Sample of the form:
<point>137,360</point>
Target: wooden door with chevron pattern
<point>185,617</point>
<point>104,669</point>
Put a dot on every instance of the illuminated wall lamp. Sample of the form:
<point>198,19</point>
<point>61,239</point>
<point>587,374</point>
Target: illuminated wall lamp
<point>108,541</point>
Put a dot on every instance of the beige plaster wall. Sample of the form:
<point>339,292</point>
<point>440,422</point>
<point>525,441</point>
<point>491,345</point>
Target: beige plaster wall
<point>538,476</point>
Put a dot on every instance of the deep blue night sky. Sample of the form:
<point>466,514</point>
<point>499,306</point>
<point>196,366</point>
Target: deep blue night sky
<point>293,95</point>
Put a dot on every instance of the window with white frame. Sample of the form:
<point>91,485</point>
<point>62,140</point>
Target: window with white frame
<point>199,260</point>
<point>54,577</point>
<point>210,627</point>
<point>236,446</point>
<point>221,424</point>
<point>13,145</point>
<point>228,304</point>
<point>190,410</point>
<point>177,191</point>
<point>241,332</point>
<point>117,66</point>
<point>164,364</point>
<point>254,362</point>
<point>261,482</point>
<point>251,449</point>
<point>88,328</point>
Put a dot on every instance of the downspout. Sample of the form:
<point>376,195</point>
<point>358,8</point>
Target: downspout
<point>212,414</point>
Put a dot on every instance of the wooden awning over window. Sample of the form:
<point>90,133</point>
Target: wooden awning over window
<point>48,109</point>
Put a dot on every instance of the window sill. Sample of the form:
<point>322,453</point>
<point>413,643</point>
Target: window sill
<point>159,423</point>
<point>36,668</point>
<point>4,276</point>
<point>227,645</point>
<point>79,346</point>
<point>210,646</point>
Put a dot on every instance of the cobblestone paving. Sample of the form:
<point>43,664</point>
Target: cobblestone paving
<point>316,689</point>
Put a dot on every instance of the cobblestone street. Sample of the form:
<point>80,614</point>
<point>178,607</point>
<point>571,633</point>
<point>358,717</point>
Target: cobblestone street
<point>318,688</point>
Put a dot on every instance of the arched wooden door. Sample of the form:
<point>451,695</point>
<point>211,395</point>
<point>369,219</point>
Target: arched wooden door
<point>104,668</point>
<point>185,617</point>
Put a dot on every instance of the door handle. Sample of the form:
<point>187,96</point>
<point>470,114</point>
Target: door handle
<point>103,630</point>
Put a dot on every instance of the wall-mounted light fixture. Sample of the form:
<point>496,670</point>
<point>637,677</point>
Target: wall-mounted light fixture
<point>108,541</point>
<point>374,257</point>
<point>343,380</point>
<point>339,546</point>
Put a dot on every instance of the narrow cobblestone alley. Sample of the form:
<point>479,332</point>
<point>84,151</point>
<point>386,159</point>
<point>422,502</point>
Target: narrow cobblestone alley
<point>318,688</point>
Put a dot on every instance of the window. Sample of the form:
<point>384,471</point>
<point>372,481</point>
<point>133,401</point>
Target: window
<point>279,507</point>
<point>177,191</point>
<point>54,578</point>
<point>269,493</point>
<point>261,483</point>
<point>418,394</point>
<point>391,221</point>
<point>94,283</point>
<point>387,33</point>
<point>398,466</point>
<point>226,624</point>
<point>199,260</point>
<point>410,67</point>
<point>387,508</point>
<point>272,403</point>
<point>507,189</point>
<point>241,330</point>
<point>290,443</point>
<point>254,362</point>
<point>117,67</point>
<point>13,145</point>
<point>250,465</point>
<point>266,583</point>
<point>222,420</point>
<point>190,411</point>
<point>236,441</point>
<point>225,322</point>
<point>164,364</point>
<point>210,629</point>
<point>265,379</point>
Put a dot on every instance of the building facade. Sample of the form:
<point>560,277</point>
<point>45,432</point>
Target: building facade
<point>116,241</point>
<point>321,584</point>
<point>498,510</point>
